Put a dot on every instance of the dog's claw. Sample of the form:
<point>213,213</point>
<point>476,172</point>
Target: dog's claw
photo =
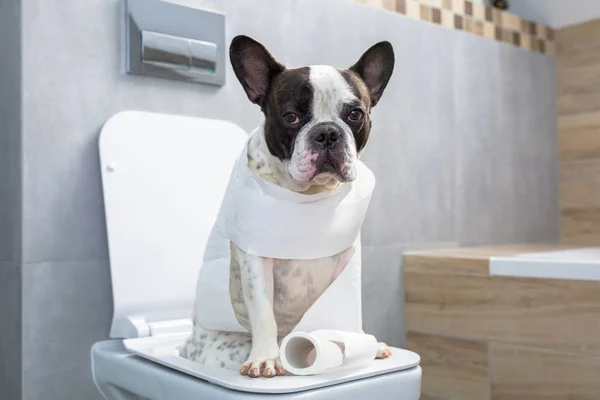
<point>279,368</point>
<point>267,368</point>
<point>384,351</point>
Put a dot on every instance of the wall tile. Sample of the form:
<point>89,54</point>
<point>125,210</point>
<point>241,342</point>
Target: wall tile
<point>383,297</point>
<point>507,168</point>
<point>579,141</point>
<point>10,331</point>
<point>10,132</point>
<point>67,307</point>
<point>475,95</point>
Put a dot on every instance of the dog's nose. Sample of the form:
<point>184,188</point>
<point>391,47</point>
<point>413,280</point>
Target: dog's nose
<point>326,135</point>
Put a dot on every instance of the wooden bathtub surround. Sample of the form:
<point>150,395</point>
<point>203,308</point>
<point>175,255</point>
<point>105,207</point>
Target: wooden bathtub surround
<point>485,337</point>
<point>578,70</point>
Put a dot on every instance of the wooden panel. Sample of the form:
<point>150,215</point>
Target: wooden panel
<point>528,374</point>
<point>443,264</point>
<point>578,70</point>
<point>452,368</point>
<point>425,396</point>
<point>578,44</point>
<point>579,138</point>
<point>578,90</point>
<point>557,314</point>
<point>580,186</point>
<point>581,226</point>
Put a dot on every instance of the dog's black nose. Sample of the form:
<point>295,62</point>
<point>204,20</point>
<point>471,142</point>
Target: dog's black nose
<point>326,134</point>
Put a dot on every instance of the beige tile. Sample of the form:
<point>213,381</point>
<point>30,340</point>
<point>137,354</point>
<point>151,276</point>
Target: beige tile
<point>511,21</point>
<point>412,9</point>
<point>525,41</point>
<point>458,7</point>
<point>447,4</point>
<point>389,5</point>
<point>489,30</point>
<point>452,368</point>
<point>435,3</point>
<point>529,374</point>
<point>557,314</point>
<point>448,19</point>
<point>469,25</point>
<point>478,27</point>
<point>497,16</point>
<point>425,12</point>
<point>479,11</point>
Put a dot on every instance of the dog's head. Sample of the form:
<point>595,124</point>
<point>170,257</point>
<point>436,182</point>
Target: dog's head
<point>317,118</point>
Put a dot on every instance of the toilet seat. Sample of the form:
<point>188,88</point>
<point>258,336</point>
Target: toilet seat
<point>163,180</point>
<point>120,375</point>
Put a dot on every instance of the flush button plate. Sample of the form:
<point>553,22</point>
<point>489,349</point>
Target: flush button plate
<point>172,41</point>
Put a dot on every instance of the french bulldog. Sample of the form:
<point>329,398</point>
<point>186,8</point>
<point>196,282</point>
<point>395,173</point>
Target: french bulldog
<point>316,125</point>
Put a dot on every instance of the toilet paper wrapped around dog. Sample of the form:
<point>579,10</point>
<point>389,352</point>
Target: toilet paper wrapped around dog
<point>267,220</point>
<point>326,351</point>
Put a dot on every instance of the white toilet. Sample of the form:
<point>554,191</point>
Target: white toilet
<point>163,178</point>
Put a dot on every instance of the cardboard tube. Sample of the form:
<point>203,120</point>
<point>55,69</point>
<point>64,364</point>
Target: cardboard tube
<point>325,351</point>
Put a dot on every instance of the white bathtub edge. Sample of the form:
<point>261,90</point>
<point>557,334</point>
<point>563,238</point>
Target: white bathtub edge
<point>521,267</point>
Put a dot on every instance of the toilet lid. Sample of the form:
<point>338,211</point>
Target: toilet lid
<point>163,177</point>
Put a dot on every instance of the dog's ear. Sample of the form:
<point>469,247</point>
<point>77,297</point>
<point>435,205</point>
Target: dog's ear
<point>254,67</point>
<point>375,67</point>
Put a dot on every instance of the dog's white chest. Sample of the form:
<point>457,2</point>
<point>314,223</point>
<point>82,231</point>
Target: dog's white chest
<point>297,284</point>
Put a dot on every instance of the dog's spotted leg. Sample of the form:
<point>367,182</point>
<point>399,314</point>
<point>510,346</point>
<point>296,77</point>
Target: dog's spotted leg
<point>225,349</point>
<point>256,275</point>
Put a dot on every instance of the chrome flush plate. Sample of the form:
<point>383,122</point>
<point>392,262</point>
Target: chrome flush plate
<point>172,41</point>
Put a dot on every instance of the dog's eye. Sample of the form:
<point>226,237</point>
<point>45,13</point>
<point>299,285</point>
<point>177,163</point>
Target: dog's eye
<point>355,115</point>
<point>291,118</point>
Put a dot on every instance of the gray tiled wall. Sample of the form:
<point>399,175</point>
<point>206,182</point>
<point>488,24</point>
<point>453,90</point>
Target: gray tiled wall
<point>10,199</point>
<point>10,131</point>
<point>464,150</point>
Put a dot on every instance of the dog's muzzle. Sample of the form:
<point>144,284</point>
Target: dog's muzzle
<point>329,141</point>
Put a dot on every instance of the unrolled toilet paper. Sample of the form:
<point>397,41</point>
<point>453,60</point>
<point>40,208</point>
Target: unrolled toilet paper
<point>267,220</point>
<point>326,350</point>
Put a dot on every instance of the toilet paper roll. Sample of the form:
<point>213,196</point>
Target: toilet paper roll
<point>325,351</point>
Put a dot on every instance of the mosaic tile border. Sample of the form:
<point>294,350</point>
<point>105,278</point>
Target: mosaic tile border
<point>477,18</point>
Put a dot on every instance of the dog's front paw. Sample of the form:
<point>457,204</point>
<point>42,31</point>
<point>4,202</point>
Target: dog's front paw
<point>256,367</point>
<point>384,351</point>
